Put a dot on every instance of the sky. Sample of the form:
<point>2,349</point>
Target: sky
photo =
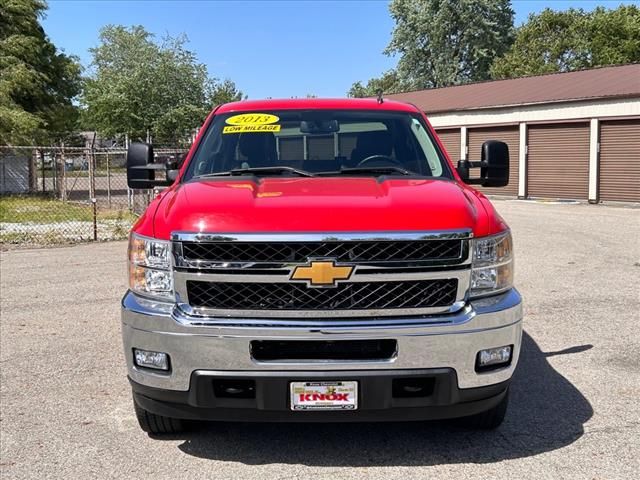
<point>277,49</point>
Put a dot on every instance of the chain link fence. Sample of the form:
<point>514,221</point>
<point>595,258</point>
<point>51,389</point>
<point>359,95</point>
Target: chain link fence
<point>55,195</point>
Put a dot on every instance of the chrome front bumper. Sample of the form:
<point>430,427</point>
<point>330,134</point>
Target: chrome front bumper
<point>435,341</point>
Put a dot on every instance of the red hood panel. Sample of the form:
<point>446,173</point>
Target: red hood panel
<point>318,205</point>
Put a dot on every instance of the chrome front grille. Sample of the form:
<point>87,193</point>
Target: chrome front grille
<point>346,296</point>
<point>358,251</point>
<point>250,275</point>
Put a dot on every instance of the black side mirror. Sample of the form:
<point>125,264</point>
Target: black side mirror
<point>494,166</point>
<point>141,168</point>
<point>172,170</point>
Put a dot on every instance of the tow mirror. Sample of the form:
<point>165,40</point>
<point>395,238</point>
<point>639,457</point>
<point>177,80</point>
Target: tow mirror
<point>493,164</point>
<point>141,169</point>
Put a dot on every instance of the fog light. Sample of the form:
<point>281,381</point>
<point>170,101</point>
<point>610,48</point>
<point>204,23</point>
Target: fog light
<point>492,358</point>
<point>148,359</point>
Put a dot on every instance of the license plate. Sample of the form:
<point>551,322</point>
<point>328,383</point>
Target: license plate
<point>324,395</point>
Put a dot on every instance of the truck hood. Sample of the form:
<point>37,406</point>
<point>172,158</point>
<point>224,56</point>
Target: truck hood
<point>228,205</point>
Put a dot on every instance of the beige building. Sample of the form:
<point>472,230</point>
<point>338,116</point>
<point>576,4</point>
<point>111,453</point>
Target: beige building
<point>571,135</point>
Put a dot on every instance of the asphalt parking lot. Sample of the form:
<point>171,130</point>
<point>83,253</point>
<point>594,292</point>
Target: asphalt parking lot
<point>575,413</point>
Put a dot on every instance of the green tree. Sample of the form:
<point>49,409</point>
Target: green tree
<point>145,88</point>
<point>387,83</point>
<point>225,92</point>
<point>448,42</point>
<point>553,41</point>
<point>37,82</point>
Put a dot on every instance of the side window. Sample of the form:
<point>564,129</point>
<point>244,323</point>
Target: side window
<point>291,148</point>
<point>346,144</point>
<point>428,147</point>
<point>320,147</point>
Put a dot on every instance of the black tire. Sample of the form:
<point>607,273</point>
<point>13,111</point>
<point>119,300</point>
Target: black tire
<point>489,419</point>
<point>157,424</point>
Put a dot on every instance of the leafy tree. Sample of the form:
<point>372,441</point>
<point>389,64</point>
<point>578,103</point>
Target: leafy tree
<point>569,40</point>
<point>225,92</point>
<point>37,82</point>
<point>448,42</point>
<point>147,89</point>
<point>615,35</point>
<point>387,83</point>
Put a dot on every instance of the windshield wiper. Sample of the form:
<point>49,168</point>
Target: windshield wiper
<point>259,171</point>
<point>381,170</point>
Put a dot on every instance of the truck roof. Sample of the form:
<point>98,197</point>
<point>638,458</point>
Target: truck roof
<point>317,103</point>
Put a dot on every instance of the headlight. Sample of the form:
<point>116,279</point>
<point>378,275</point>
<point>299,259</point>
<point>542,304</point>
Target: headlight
<point>150,270</point>
<point>492,267</point>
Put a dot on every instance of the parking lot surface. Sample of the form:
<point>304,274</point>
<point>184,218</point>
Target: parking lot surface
<point>66,408</point>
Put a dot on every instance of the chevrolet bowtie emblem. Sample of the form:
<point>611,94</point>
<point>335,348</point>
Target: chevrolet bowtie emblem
<point>321,273</point>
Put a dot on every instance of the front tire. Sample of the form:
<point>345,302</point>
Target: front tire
<point>489,419</point>
<point>157,424</point>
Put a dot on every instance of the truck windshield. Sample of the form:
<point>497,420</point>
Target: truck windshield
<point>318,142</point>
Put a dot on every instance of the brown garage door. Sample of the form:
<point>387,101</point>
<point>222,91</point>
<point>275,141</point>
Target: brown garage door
<point>558,161</point>
<point>450,138</point>
<point>620,160</point>
<point>507,134</point>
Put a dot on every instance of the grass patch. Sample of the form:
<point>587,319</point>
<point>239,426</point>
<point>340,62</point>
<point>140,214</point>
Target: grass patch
<point>40,209</point>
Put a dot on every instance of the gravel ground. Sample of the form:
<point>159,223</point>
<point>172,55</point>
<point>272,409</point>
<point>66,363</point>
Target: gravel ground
<point>66,409</point>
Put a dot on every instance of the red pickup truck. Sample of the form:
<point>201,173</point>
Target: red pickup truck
<point>319,261</point>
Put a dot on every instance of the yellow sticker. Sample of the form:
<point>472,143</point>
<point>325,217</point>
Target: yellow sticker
<point>250,128</point>
<point>252,119</point>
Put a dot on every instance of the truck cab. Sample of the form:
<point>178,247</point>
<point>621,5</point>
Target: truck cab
<point>319,261</point>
